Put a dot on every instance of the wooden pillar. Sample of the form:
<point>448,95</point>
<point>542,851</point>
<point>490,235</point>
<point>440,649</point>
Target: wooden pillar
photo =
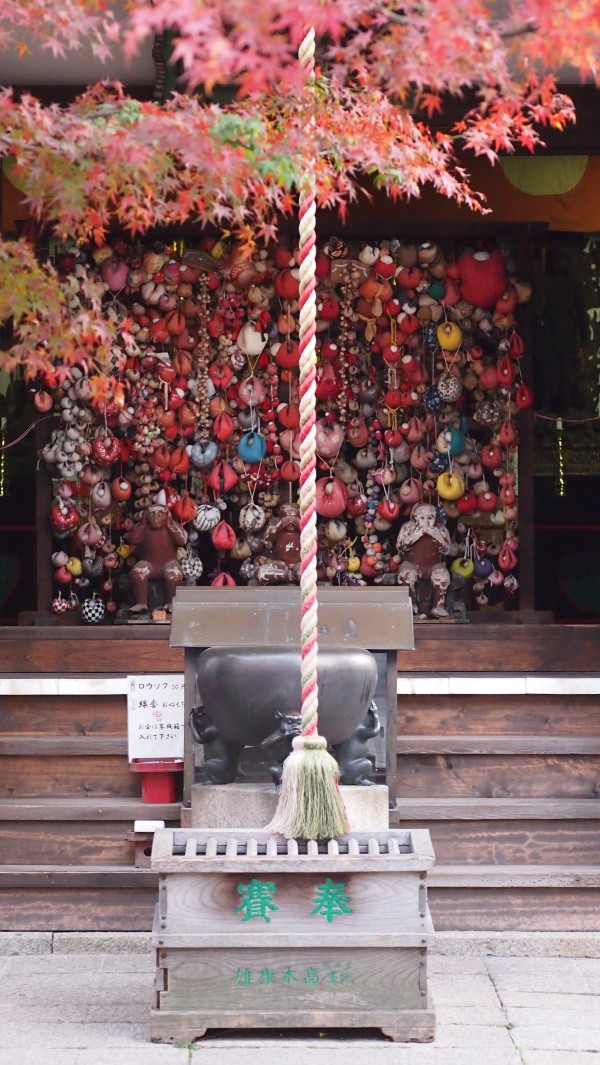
<point>525,325</point>
<point>391,724</point>
<point>191,699</point>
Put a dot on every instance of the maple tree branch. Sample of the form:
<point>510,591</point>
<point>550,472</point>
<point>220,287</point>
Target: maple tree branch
<point>519,31</point>
<point>531,26</point>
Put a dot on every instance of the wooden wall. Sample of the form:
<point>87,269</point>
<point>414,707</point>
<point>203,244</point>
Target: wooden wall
<point>68,800</point>
<point>505,775</point>
<point>499,757</point>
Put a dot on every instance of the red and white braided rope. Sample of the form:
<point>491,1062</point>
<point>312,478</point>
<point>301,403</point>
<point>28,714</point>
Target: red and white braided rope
<point>308,377</point>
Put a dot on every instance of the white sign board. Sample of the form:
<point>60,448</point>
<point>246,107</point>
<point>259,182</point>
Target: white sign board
<point>155,715</point>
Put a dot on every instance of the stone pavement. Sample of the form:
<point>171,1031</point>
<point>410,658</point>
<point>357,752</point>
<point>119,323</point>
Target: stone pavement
<point>91,1006</point>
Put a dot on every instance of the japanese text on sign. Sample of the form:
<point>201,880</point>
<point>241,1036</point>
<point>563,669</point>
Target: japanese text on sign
<point>155,715</point>
<point>329,901</point>
<point>310,976</point>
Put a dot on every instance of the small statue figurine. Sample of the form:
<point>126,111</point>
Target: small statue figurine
<point>455,601</point>
<point>279,743</point>
<point>221,756</point>
<point>156,537</point>
<point>422,543</point>
<point>352,754</point>
<point>282,541</point>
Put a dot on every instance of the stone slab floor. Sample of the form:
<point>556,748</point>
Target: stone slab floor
<point>92,1008</point>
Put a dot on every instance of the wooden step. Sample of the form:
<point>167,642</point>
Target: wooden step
<point>106,898</point>
<point>81,832</point>
<point>514,876</point>
<point>451,776</point>
<point>89,809</point>
<point>487,647</point>
<point>493,744</point>
<point>490,715</point>
<point>63,715</point>
<point>544,842</point>
<point>60,876</point>
<point>111,898</point>
<point>506,831</point>
<point>450,809</point>
<point>557,898</point>
<point>63,776</point>
<point>89,843</point>
<point>440,876</point>
<point>501,909</point>
<point>74,649</point>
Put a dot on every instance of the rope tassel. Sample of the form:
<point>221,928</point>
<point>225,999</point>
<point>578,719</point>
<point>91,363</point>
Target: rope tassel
<point>310,804</point>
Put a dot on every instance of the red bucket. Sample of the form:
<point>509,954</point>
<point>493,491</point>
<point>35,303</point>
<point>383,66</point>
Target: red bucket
<point>158,777</point>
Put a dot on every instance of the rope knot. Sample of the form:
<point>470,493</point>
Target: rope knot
<point>309,743</point>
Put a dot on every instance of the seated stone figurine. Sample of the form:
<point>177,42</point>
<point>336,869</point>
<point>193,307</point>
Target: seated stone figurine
<point>422,544</point>
<point>155,538</point>
<point>279,743</point>
<point>455,601</point>
<point>221,756</point>
<point>352,756</point>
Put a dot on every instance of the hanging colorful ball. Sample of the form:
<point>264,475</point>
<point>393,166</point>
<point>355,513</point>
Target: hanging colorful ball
<point>431,400</point>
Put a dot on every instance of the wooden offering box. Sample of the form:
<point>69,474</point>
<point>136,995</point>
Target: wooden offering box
<point>255,931</point>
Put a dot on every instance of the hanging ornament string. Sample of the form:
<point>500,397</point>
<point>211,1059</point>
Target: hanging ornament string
<point>251,480</point>
<point>17,440</point>
<point>569,421</point>
<point>310,804</point>
<point>560,487</point>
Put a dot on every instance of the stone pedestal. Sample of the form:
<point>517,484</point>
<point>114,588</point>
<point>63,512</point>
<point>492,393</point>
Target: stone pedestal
<point>250,806</point>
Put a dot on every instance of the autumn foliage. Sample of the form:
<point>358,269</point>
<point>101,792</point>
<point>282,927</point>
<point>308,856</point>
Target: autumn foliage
<point>383,72</point>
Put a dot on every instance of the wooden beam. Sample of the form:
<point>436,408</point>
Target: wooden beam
<point>88,809</point>
<point>494,809</point>
<point>514,876</point>
<point>84,876</point>
<point>517,745</point>
<point>77,746</point>
<point>105,651</point>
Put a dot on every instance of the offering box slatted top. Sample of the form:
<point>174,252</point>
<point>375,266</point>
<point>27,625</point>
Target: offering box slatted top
<point>195,849</point>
